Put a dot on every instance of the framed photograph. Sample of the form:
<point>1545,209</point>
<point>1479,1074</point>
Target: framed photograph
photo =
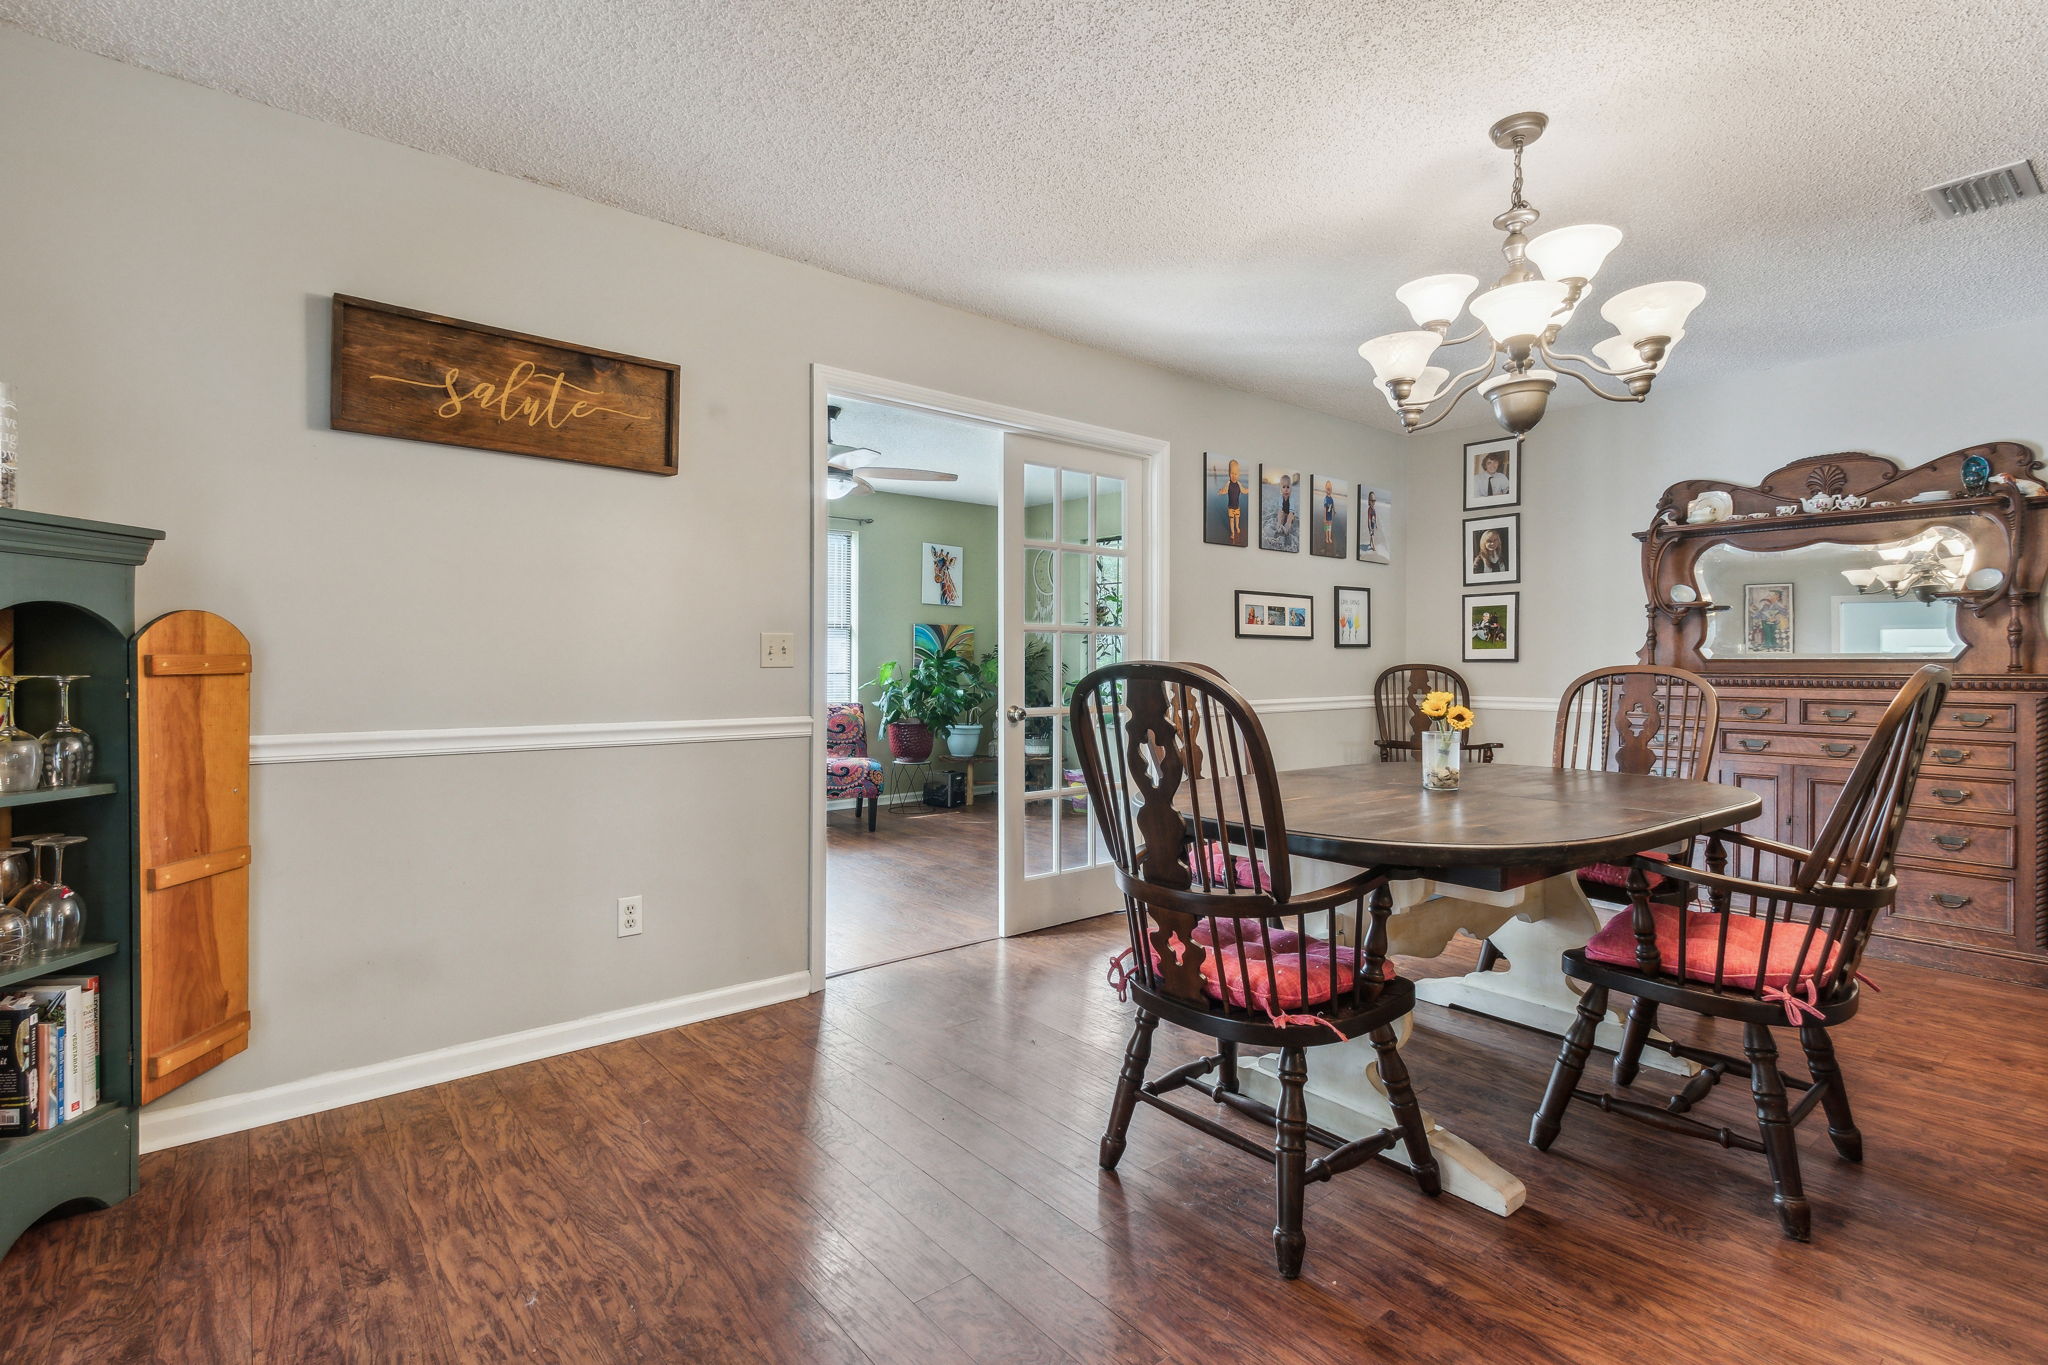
<point>942,576</point>
<point>1375,525</point>
<point>1493,627</point>
<point>1329,517</point>
<point>1493,473</point>
<point>1493,549</point>
<point>1280,505</point>
<point>1354,618</point>
<point>1226,502</point>
<point>1767,618</point>
<point>1275,616</point>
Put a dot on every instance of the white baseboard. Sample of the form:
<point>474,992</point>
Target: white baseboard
<point>177,1124</point>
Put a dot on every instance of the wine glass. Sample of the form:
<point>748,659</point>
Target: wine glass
<point>67,750</point>
<point>21,756</point>
<point>56,917</point>
<point>37,883</point>
<point>14,875</point>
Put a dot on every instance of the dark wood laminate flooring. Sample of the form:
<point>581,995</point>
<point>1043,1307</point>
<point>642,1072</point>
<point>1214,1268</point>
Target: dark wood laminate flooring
<point>902,1170</point>
<point>924,880</point>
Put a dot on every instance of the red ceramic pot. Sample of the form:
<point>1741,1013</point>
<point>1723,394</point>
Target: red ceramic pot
<point>911,741</point>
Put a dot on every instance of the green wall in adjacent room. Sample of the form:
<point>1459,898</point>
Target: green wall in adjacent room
<point>891,569</point>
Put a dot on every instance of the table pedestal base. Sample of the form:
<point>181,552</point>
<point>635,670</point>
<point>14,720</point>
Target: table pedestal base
<point>1344,1095</point>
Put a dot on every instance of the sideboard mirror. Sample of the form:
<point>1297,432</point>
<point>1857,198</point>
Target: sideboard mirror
<point>1830,600</point>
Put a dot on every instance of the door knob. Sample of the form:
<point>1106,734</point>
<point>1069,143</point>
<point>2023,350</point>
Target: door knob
<point>1015,715</point>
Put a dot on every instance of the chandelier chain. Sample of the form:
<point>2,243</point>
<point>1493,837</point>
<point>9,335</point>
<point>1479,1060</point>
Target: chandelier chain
<point>1516,201</point>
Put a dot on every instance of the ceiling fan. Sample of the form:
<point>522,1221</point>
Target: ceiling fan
<point>845,466</point>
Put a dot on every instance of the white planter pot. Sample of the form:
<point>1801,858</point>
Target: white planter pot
<point>963,740</point>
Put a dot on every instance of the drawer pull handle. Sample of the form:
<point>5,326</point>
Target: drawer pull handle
<point>1755,746</point>
<point>1952,755</point>
<point>1839,750</point>
<point>1949,902</point>
<point>1951,796</point>
<point>1755,712</point>
<point>1838,715</point>
<point>1972,720</point>
<point>1953,842</point>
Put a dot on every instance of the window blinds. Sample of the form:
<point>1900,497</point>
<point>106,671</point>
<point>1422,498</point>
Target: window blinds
<point>839,551</point>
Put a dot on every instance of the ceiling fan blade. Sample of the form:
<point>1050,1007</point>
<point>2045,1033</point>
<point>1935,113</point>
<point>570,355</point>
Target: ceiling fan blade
<point>861,486</point>
<point>879,471</point>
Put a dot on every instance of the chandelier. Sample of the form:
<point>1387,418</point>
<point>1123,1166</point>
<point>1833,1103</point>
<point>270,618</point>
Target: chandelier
<point>1521,315</point>
<point>1933,563</point>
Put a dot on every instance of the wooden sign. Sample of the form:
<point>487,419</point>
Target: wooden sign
<point>419,377</point>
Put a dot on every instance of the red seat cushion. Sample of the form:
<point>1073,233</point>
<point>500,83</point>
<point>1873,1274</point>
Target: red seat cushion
<point>1615,945</point>
<point>1226,872</point>
<point>1224,976</point>
<point>1616,874</point>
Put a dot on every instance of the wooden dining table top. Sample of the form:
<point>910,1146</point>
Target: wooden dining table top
<point>1506,825</point>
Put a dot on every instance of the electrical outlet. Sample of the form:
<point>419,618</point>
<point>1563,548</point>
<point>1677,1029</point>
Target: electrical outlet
<point>629,916</point>
<point>778,649</point>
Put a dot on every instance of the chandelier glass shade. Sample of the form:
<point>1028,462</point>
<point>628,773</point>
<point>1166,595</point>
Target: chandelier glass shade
<point>1520,316</point>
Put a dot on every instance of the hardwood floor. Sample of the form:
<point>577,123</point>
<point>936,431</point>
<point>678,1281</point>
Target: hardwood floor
<point>924,880</point>
<point>903,1169</point>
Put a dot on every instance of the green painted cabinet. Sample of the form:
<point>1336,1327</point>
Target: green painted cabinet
<point>68,586</point>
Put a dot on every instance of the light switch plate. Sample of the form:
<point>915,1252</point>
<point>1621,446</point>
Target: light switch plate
<point>778,649</point>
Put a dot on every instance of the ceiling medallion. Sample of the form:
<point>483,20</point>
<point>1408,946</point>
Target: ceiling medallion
<point>1522,314</point>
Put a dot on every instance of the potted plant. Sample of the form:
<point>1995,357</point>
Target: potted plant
<point>920,702</point>
<point>978,688</point>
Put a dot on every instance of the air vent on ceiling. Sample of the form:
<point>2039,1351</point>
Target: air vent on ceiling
<point>1987,190</point>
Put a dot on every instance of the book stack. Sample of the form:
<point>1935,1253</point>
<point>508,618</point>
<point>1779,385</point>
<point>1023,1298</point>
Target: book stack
<point>49,1053</point>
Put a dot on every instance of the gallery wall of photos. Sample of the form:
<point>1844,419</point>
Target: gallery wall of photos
<point>1291,511</point>
<point>1491,547</point>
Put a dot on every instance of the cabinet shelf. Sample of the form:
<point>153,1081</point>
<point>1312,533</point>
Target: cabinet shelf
<point>43,795</point>
<point>60,964</point>
<point>80,1129</point>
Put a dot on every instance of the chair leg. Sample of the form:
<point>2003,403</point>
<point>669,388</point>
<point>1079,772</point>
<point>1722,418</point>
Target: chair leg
<point>1127,1082</point>
<point>1571,1064</point>
<point>1226,1065</point>
<point>874,805</point>
<point>1488,955</point>
<point>1290,1145</point>
<point>1774,1118</point>
<point>1642,1017</point>
<point>1820,1059</point>
<point>1401,1096</point>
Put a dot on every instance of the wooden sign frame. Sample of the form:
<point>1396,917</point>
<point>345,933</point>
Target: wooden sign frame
<point>422,377</point>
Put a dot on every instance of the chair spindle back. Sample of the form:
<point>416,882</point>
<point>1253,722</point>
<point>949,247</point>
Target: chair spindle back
<point>1185,794</point>
<point>1660,722</point>
<point>1395,696</point>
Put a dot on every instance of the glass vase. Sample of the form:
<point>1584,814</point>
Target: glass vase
<point>1441,754</point>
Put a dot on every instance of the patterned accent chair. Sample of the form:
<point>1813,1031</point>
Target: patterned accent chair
<point>848,769</point>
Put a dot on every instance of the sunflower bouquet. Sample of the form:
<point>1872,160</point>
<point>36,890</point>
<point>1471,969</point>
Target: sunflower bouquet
<point>1442,739</point>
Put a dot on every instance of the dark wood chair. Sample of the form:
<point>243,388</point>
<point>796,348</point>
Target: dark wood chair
<point>1395,695</point>
<point>1777,939</point>
<point>1635,718</point>
<point>1182,782</point>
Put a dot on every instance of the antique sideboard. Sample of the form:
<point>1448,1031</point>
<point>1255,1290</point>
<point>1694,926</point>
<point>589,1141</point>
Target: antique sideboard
<point>1809,599</point>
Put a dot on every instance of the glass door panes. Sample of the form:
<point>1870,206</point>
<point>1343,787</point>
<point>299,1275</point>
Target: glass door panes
<point>1073,569</point>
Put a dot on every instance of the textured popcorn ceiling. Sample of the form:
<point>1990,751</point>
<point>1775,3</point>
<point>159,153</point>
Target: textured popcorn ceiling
<point>1229,189</point>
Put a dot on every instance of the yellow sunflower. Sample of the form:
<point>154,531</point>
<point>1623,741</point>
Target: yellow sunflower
<point>1436,704</point>
<point>1459,717</point>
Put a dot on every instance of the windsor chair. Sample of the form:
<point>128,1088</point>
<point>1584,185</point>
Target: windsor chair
<point>1778,940</point>
<point>1220,942</point>
<point>1395,695</point>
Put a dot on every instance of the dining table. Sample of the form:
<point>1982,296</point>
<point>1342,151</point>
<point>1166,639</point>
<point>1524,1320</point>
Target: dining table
<point>1495,858</point>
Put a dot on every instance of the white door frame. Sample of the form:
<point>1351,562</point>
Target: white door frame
<point>829,383</point>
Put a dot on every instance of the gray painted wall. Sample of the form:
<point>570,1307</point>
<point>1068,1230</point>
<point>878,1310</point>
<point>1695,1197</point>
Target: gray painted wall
<point>170,254</point>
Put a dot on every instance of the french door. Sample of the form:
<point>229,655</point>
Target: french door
<point>1072,594</point>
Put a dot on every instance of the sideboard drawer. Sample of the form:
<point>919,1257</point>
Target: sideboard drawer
<point>1945,791</point>
<point>1953,900</point>
<point>1821,711</point>
<point>1966,753</point>
<point>1964,717</point>
<point>1957,841</point>
<point>1844,748</point>
<point>1753,710</point>
<point>1993,717</point>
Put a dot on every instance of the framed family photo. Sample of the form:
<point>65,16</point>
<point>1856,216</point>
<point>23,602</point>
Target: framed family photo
<point>1493,549</point>
<point>1767,618</point>
<point>1275,616</point>
<point>1280,506</point>
<point>1354,618</point>
<point>1493,473</point>
<point>1227,507</point>
<point>1493,626</point>
<point>1375,525</point>
<point>1329,517</point>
